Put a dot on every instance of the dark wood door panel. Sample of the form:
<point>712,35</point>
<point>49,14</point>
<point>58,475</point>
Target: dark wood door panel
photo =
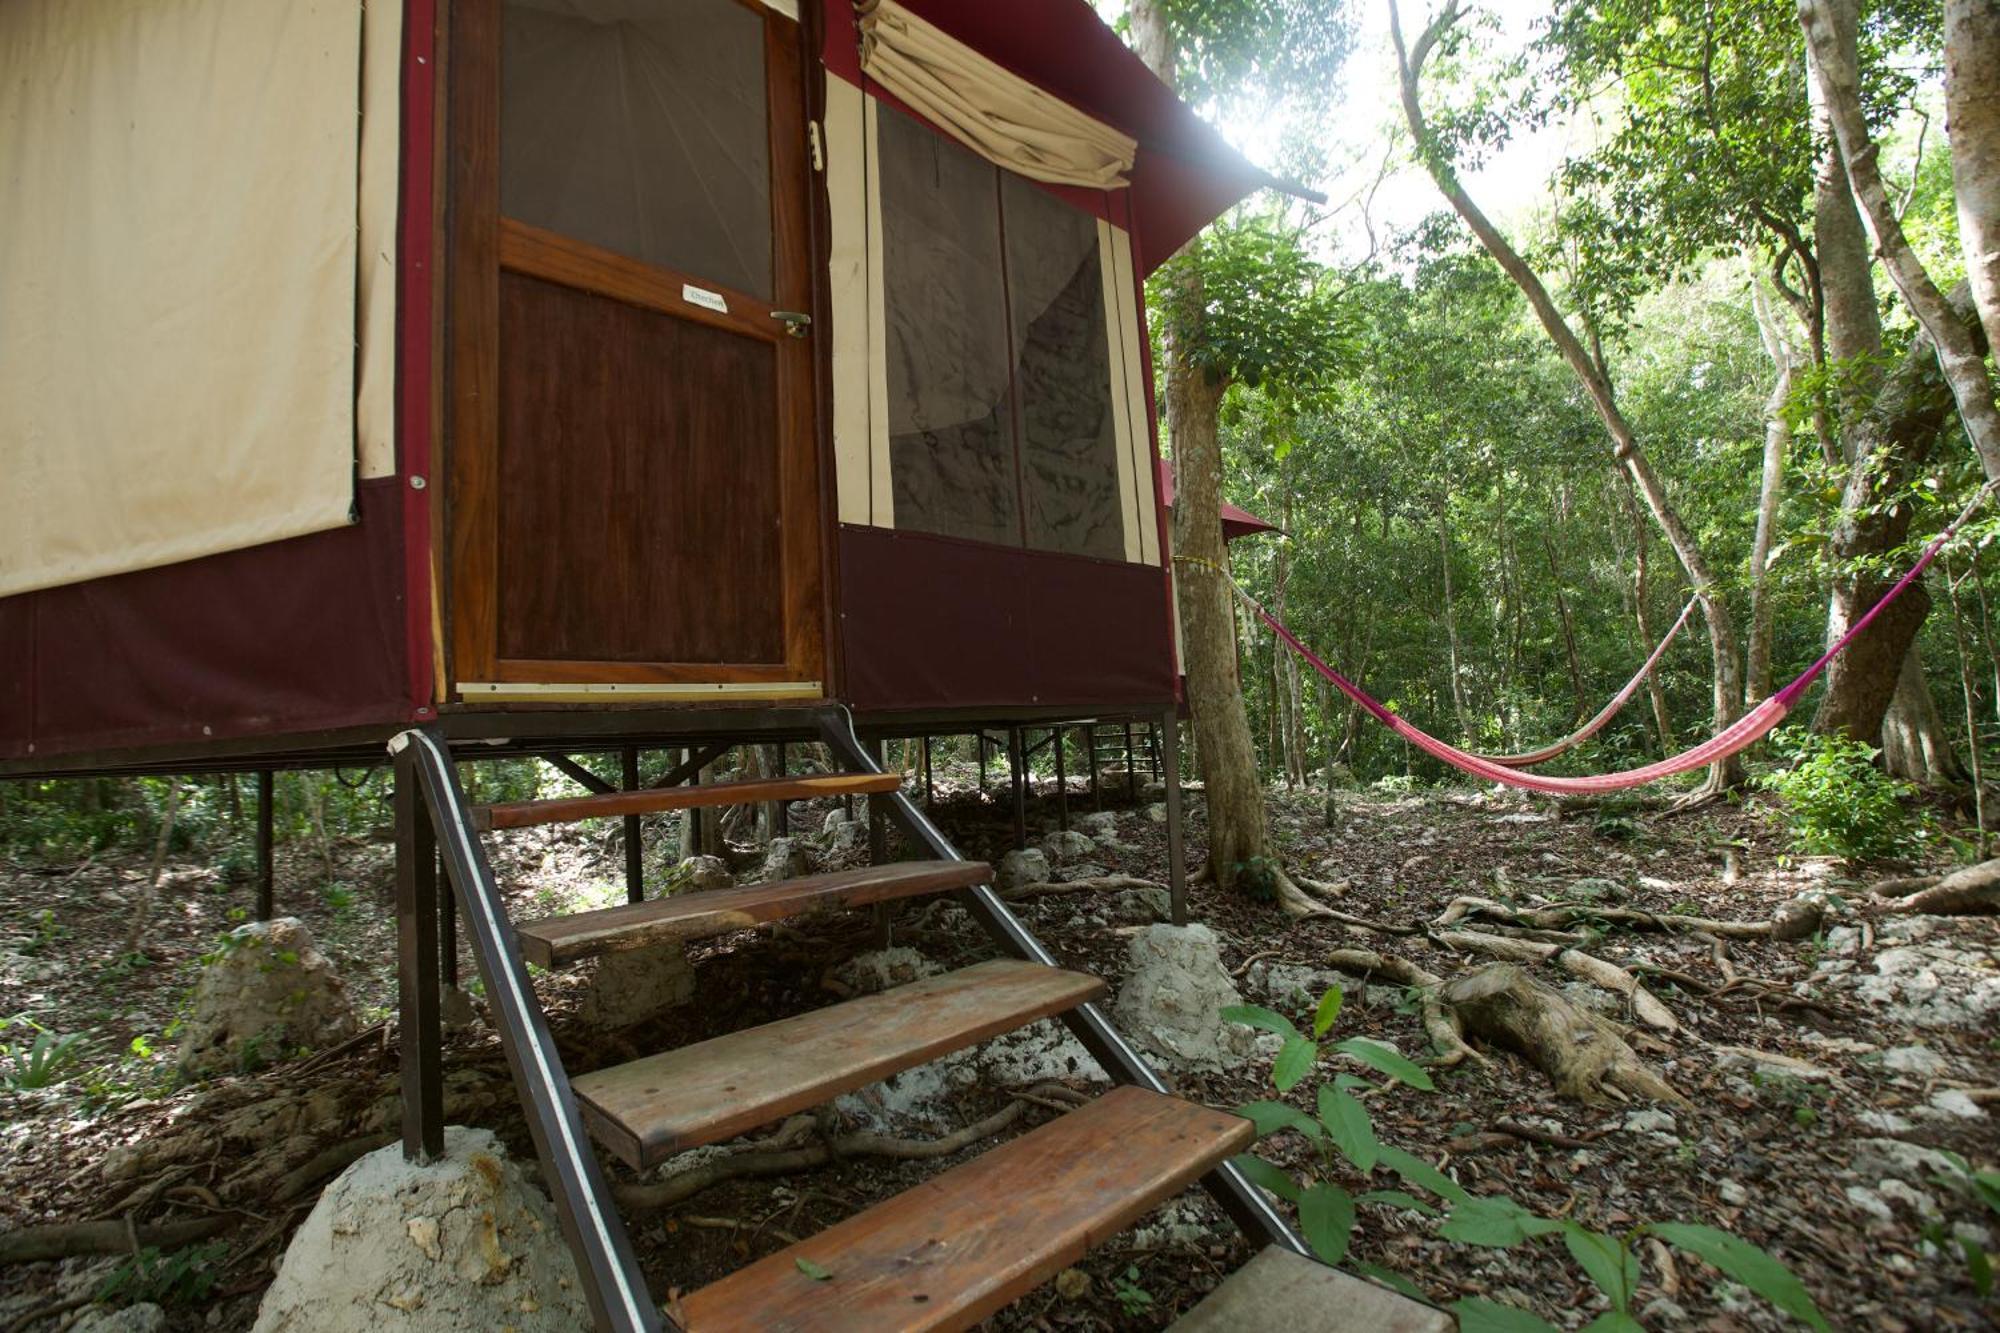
<point>638,484</point>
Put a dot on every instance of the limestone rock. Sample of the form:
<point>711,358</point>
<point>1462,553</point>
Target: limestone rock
<point>841,833</point>
<point>1919,1060</point>
<point>700,873</point>
<point>266,993</point>
<point>1145,904</point>
<point>633,985</point>
<point>1594,890</point>
<point>1023,865</point>
<point>1067,845</point>
<point>867,973</point>
<point>144,1317</point>
<point>1101,825</point>
<point>1933,986</point>
<point>394,1247</point>
<point>785,858</point>
<point>1174,993</point>
<point>1798,919</point>
<point>1157,812</point>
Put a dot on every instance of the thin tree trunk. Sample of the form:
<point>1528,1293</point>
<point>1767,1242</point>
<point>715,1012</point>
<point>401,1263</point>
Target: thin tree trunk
<point>1830,33</point>
<point>1728,669</point>
<point>1972,114</point>
<point>1777,445</point>
<point>1642,591</point>
<point>1914,744</point>
<point>1569,632</point>
<point>1451,623</point>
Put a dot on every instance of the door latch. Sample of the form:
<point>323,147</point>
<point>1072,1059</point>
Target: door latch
<point>796,322</point>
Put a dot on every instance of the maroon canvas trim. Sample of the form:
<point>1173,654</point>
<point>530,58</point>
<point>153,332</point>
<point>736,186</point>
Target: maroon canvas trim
<point>932,622</point>
<point>293,636</point>
<point>415,323</point>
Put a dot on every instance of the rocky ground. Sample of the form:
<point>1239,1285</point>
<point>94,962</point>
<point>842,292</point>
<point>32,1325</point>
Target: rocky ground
<point>1827,1081</point>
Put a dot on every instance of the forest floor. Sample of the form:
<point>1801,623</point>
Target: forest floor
<point>1817,1083</point>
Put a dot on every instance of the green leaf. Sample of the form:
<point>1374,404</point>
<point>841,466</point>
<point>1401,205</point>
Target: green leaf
<point>1478,1315</point>
<point>1267,1020</point>
<point>1977,1266</point>
<point>1347,1121</point>
<point>1270,1117</point>
<point>1397,1199</point>
<point>1326,1216</point>
<point>812,1270</point>
<point>1494,1221</point>
<point>1610,1265</point>
<point>1419,1172</point>
<point>1295,1060</point>
<point>1614,1321</point>
<point>1391,1279</point>
<point>1748,1264</point>
<point>1262,1174</point>
<point>1377,1056</point>
<point>1329,1009</point>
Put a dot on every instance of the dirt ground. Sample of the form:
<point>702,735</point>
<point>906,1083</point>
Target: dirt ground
<point>1804,1075</point>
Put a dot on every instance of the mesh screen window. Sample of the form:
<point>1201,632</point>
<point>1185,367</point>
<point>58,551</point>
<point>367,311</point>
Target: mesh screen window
<point>1001,426</point>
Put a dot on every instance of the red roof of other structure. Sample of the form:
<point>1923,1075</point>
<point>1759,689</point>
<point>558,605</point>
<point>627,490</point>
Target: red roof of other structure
<point>1235,522</point>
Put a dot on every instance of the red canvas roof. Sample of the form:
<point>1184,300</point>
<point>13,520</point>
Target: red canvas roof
<point>1235,522</point>
<point>1186,175</point>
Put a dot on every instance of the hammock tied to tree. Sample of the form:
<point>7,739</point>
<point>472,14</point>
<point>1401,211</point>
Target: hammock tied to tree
<point>1605,714</point>
<point>1746,731</point>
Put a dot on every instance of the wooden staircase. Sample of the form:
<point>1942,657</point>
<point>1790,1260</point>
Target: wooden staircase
<point>943,1255</point>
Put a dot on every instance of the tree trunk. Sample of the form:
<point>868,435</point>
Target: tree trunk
<point>1972,114</point>
<point>1642,592</point>
<point>1777,445</point>
<point>1235,798</point>
<point>1728,667</point>
<point>1830,33</point>
<point>1891,441</point>
<point>1569,634</point>
<point>1914,744</point>
<point>1451,625</point>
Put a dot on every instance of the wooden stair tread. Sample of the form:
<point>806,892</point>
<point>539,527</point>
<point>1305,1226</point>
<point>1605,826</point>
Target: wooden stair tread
<point>753,791</point>
<point>663,1104</point>
<point>961,1245</point>
<point>560,940</point>
<point>1282,1292</point>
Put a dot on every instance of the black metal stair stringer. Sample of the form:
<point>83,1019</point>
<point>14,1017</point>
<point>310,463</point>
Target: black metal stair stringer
<point>428,792</point>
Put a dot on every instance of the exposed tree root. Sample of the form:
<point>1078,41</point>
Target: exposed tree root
<point>1973,889</point>
<point>1440,1024</point>
<point>1584,1056</point>
<point>60,1240</point>
<point>1092,884</point>
<point>1559,915</point>
<point>1645,1006</point>
<point>784,1153</point>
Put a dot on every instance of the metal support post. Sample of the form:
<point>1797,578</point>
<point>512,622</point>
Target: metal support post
<point>927,773</point>
<point>422,1029</point>
<point>635,847</point>
<point>1131,766</point>
<point>1018,780</point>
<point>267,887</point>
<point>781,811</point>
<point>1062,785</point>
<point>1090,753</point>
<point>1170,765</point>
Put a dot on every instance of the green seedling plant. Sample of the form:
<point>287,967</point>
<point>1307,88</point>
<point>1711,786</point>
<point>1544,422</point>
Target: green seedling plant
<point>1986,1186</point>
<point>1342,1131</point>
<point>39,1058</point>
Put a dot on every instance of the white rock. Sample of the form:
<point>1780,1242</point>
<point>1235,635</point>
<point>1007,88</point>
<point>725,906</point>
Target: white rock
<point>1023,865</point>
<point>1733,1193</point>
<point>1099,824</point>
<point>785,858</point>
<point>634,985</point>
<point>267,993</point>
<point>1843,941</point>
<point>1919,1060</point>
<point>1871,1203</point>
<point>497,1258</point>
<point>1918,1202</point>
<point>1063,846</point>
<point>867,973</point>
<point>1650,1121</point>
<point>1882,1158</point>
<point>1663,1313</point>
<point>1175,989</point>
<point>1933,987</point>
<point>1157,812</point>
<point>1957,1105</point>
<point>142,1318</point>
<point>701,873</point>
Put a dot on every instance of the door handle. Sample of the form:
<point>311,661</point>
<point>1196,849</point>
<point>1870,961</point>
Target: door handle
<point>796,322</point>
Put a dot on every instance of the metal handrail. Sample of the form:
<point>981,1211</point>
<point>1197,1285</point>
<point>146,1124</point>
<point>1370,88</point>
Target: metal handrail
<point>1244,1202</point>
<point>613,1283</point>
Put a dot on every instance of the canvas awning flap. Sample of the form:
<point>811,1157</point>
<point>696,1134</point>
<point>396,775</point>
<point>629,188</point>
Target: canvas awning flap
<point>178,280</point>
<point>991,110</point>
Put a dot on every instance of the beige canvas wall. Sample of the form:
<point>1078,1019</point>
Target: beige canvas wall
<point>187,264</point>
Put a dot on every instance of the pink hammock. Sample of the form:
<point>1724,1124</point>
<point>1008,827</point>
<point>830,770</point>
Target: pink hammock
<point>1609,711</point>
<point>1743,733</point>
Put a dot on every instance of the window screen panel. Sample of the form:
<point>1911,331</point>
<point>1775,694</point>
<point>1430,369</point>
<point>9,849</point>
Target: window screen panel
<point>951,430</point>
<point>640,126</point>
<point>1062,371</point>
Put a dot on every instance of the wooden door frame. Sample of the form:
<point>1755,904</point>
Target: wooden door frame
<point>478,244</point>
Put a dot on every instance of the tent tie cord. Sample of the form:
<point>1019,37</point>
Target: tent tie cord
<point>1746,731</point>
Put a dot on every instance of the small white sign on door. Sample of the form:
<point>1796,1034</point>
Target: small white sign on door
<point>704,298</point>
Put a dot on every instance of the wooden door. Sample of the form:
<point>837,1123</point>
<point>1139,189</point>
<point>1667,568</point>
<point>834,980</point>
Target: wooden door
<point>633,501</point>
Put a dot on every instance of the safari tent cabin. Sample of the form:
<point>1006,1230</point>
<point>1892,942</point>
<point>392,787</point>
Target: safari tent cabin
<point>364,364</point>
